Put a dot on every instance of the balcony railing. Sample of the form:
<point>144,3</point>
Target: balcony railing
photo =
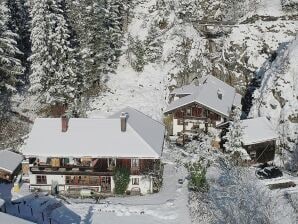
<point>73,171</point>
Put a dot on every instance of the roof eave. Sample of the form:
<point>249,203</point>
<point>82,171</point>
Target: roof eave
<point>6,170</point>
<point>224,115</point>
<point>258,142</point>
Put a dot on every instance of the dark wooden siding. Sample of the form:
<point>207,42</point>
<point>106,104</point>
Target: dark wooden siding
<point>124,163</point>
<point>264,151</point>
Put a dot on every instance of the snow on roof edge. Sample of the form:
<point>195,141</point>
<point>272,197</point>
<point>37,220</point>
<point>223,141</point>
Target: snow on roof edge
<point>195,101</point>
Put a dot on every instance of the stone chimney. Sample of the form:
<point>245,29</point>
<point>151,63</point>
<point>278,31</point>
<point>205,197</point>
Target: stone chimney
<point>123,120</point>
<point>64,123</point>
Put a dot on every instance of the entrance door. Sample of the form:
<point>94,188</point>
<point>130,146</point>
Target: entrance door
<point>106,184</point>
<point>55,187</point>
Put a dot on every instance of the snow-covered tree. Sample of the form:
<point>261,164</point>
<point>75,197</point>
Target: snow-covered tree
<point>235,195</point>
<point>136,54</point>
<point>19,24</point>
<point>234,135</point>
<point>10,65</point>
<point>98,26</point>
<point>52,74</point>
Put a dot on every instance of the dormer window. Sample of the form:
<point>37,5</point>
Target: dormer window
<point>219,94</point>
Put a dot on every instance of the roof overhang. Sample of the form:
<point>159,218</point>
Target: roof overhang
<point>6,170</point>
<point>258,142</point>
<point>195,101</point>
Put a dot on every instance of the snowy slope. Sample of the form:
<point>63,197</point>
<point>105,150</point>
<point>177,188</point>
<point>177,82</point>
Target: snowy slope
<point>277,98</point>
<point>129,88</point>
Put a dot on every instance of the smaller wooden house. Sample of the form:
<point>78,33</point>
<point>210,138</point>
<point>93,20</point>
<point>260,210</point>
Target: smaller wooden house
<point>10,165</point>
<point>259,139</point>
<point>194,107</point>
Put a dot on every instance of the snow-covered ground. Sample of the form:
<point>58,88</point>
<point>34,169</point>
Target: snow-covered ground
<point>144,91</point>
<point>270,7</point>
<point>167,206</point>
<point>147,91</point>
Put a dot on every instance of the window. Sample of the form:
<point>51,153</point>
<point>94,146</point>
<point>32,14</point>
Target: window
<point>253,154</point>
<point>135,181</point>
<point>135,162</point>
<point>111,162</point>
<point>188,111</point>
<point>180,122</point>
<point>105,180</point>
<point>197,111</point>
<point>41,179</point>
<point>67,179</point>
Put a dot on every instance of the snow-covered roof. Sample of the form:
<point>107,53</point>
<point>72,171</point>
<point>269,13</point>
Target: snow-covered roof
<point>9,161</point>
<point>237,100</point>
<point>6,218</point>
<point>97,137</point>
<point>257,130</point>
<point>151,130</point>
<point>185,90</point>
<point>2,202</point>
<point>206,94</point>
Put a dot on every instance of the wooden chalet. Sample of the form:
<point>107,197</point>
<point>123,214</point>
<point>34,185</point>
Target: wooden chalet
<point>195,107</point>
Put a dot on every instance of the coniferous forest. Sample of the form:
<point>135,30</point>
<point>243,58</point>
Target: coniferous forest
<point>58,49</point>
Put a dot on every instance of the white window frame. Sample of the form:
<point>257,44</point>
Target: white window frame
<point>188,111</point>
<point>135,181</point>
<point>111,162</point>
<point>135,162</point>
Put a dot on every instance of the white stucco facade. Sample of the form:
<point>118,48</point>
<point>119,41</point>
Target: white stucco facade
<point>58,180</point>
<point>189,123</point>
<point>145,184</point>
<point>188,127</point>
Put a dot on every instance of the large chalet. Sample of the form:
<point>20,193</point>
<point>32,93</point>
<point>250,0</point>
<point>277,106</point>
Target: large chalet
<point>65,155</point>
<point>194,107</point>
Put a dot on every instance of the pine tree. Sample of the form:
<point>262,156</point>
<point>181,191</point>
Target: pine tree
<point>53,74</point>
<point>10,65</point>
<point>98,26</point>
<point>82,17</point>
<point>19,24</point>
<point>234,136</point>
<point>136,54</point>
<point>153,45</point>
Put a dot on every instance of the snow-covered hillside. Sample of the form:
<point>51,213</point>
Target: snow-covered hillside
<point>277,99</point>
<point>151,47</point>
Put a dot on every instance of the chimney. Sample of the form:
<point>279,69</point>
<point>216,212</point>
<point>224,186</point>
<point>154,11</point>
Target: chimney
<point>219,94</point>
<point>64,123</point>
<point>123,118</point>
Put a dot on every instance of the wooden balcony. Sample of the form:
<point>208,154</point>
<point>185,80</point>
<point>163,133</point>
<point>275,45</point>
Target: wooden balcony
<point>96,168</point>
<point>70,171</point>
